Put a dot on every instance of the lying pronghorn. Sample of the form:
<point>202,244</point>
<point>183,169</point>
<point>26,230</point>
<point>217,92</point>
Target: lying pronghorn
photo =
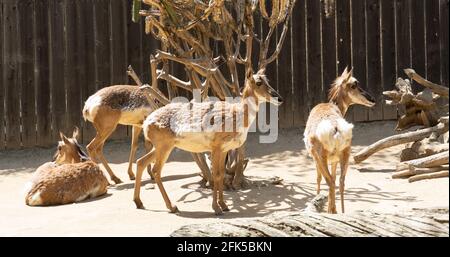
<point>176,124</point>
<point>71,177</point>
<point>328,137</point>
<point>110,106</point>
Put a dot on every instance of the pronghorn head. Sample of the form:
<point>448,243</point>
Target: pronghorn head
<point>259,85</point>
<point>346,90</point>
<point>69,151</point>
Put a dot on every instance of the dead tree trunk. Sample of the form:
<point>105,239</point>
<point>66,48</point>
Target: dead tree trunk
<point>428,152</point>
<point>214,41</point>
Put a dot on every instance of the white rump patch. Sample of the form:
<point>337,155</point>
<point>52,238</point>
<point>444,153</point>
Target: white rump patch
<point>334,138</point>
<point>91,106</point>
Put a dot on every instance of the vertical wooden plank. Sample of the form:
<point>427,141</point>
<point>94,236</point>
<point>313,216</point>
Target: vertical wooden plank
<point>403,36</point>
<point>285,81</point>
<point>72,69</point>
<point>26,11</point>
<point>444,41</point>
<point>57,56</point>
<point>42,73</point>
<point>328,50</point>
<point>359,52</point>
<point>433,45</point>
<point>2,89</point>
<point>374,83</point>
<point>87,35</point>
<point>418,48</point>
<point>315,91</point>
<point>11,74</point>
<point>388,54</point>
<point>344,54</point>
<point>118,54</point>
<point>80,68</point>
<point>299,64</point>
<point>102,43</point>
<point>133,44</point>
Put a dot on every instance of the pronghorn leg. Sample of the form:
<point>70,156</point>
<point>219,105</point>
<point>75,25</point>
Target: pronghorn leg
<point>319,178</point>
<point>221,174</point>
<point>345,156</point>
<point>141,164</point>
<point>162,154</point>
<point>134,145</point>
<point>148,147</point>
<point>320,157</point>
<point>215,158</point>
<point>333,170</point>
<point>95,148</point>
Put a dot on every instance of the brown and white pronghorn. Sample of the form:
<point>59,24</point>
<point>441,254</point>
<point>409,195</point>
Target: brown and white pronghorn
<point>328,136</point>
<point>109,107</point>
<point>70,177</point>
<point>215,127</point>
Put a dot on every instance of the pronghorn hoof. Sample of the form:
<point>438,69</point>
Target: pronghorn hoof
<point>139,204</point>
<point>224,207</point>
<point>117,180</point>
<point>132,178</point>
<point>218,211</point>
<point>174,209</point>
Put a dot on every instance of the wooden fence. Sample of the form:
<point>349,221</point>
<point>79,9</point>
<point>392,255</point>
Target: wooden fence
<point>55,53</point>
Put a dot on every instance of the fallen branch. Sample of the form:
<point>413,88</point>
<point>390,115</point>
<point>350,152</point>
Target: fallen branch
<point>426,162</point>
<point>440,174</point>
<point>438,89</point>
<point>417,171</point>
<point>134,76</point>
<point>398,140</point>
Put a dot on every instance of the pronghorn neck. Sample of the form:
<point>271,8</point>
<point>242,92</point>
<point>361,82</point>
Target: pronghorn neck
<point>342,105</point>
<point>250,104</point>
<point>340,100</point>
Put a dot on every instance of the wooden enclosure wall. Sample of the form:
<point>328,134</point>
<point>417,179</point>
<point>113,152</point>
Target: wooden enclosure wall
<point>55,53</point>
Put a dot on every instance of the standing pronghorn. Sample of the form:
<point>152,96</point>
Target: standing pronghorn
<point>110,106</point>
<point>187,126</point>
<point>328,137</point>
<point>71,177</point>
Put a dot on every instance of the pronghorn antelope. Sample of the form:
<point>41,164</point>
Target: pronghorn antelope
<point>177,124</point>
<point>110,106</point>
<point>328,137</point>
<point>71,177</point>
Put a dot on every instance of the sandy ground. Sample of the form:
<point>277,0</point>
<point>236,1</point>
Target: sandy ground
<point>368,186</point>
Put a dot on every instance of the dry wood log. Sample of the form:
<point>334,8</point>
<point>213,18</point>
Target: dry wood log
<point>426,162</point>
<point>423,148</point>
<point>419,109</point>
<point>417,222</point>
<point>398,140</point>
<point>440,174</point>
<point>438,89</point>
<point>417,171</point>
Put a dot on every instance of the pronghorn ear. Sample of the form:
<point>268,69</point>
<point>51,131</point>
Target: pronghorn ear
<point>346,75</point>
<point>64,138</point>
<point>76,133</point>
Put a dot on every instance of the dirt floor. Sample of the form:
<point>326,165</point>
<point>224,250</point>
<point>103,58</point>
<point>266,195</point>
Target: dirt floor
<point>368,186</point>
